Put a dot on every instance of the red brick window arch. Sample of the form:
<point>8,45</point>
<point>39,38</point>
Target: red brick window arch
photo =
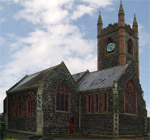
<point>20,107</point>
<point>29,106</point>
<point>96,103</point>
<point>130,98</point>
<point>12,108</point>
<point>62,98</point>
<point>88,103</point>
<point>105,102</point>
<point>130,47</point>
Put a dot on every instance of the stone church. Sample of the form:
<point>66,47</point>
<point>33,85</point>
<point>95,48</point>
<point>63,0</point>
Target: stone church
<point>108,101</point>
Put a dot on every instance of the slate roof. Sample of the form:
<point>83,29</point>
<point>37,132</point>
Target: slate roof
<point>101,79</point>
<point>86,80</point>
<point>31,80</point>
<point>79,76</point>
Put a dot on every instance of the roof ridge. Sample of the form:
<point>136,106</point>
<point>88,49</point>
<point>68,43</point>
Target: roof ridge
<point>80,72</point>
<point>84,77</point>
<point>107,68</point>
<point>43,70</point>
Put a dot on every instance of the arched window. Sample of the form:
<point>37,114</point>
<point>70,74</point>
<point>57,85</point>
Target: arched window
<point>29,106</point>
<point>130,47</point>
<point>12,108</point>
<point>105,102</point>
<point>130,98</point>
<point>62,98</point>
<point>20,107</point>
<point>88,103</point>
<point>96,103</point>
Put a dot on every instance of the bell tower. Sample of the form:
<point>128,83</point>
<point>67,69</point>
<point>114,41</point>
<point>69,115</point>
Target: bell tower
<point>117,44</point>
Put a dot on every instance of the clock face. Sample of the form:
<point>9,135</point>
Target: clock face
<point>110,47</point>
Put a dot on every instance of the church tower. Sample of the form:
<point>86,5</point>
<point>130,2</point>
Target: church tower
<point>118,43</point>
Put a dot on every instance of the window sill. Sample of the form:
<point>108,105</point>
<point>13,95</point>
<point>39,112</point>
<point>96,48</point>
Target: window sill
<point>129,114</point>
<point>97,113</point>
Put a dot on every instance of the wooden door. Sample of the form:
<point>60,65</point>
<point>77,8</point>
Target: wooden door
<point>72,125</point>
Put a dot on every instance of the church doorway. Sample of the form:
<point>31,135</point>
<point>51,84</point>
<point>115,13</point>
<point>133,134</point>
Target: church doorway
<point>72,125</point>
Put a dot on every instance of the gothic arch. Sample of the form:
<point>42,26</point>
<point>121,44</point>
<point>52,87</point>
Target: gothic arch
<point>130,97</point>
<point>105,102</point>
<point>20,106</point>
<point>88,103</point>
<point>29,106</point>
<point>72,125</point>
<point>12,107</point>
<point>62,98</point>
<point>130,47</point>
<point>96,102</point>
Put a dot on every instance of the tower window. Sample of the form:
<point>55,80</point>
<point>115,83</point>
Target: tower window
<point>105,102</point>
<point>130,47</point>
<point>62,97</point>
<point>88,103</point>
<point>130,98</point>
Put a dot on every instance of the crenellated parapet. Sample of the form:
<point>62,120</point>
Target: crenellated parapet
<point>114,27</point>
<point>129,30</point>
<point>110,28</point>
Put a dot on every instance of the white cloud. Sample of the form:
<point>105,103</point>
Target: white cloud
<point>1,8</point>
<point>44,12</point>
<point>59,41</point>
<point>2,20</point>
<point>81,10</point>
<point>143,38</point>
<point>53,12</point>
<point>2,41</point>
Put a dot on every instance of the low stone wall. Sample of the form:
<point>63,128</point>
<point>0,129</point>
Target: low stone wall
<point>131,124</point>
<point>97,124</point>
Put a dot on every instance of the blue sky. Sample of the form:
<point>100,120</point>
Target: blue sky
<point>37,34</point>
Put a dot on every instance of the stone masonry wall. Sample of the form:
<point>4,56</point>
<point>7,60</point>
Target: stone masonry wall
<point>129,57</point>
<point>131,124</point>
<point>109,60</point>
<point>57,121</point>
<point>97,123</point>
<point>128,122</point>
<point>22,123</point>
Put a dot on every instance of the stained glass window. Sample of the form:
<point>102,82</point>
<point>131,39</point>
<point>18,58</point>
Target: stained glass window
<point>62,97</point>
<point>105,102</point>
<point>130,96</point>
<point>88,103</point>
<point>96,103</point>
<point>29,106</point>
<point>20,107</point>
<point>12,108</point>
<point>66,102</point>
